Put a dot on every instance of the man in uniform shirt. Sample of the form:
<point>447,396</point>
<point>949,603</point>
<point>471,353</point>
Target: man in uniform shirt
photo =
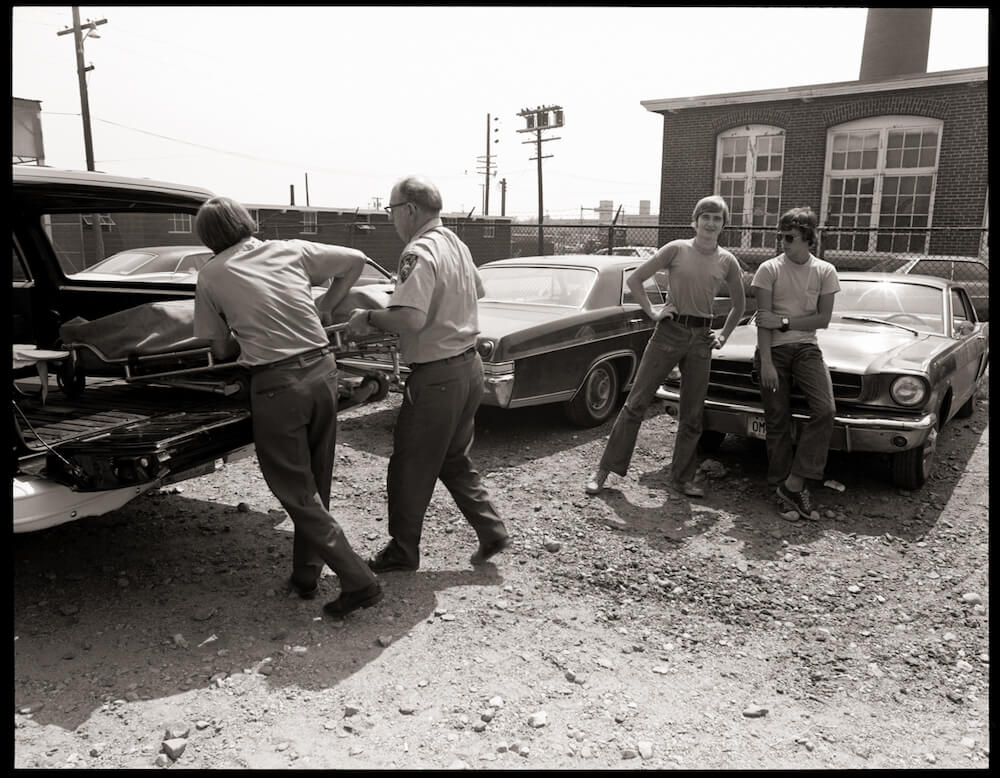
<point>260,294</point>
<point>434,310</point>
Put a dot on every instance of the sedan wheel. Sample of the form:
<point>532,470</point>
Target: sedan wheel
<point>596,399</point>
<point>911,469</point>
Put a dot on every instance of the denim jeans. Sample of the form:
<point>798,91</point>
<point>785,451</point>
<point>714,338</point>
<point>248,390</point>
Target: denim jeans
<point>294,412</point>
<point>671,345</point>
<point>804,363</point>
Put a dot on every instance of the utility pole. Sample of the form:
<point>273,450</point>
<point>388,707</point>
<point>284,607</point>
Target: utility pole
<point>307,188</point>
<point>81,72</point>
<point>503,196</point>
<point>490,169</point>
<point>536,120</point>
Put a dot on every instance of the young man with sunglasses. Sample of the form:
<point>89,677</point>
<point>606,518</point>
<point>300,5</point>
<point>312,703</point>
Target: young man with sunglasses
<point>795,293</point>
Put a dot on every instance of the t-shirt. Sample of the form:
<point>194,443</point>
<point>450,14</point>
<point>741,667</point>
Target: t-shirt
<point>795,291</point>
<point>437,276</point>
<point>696,277</point>
<point>263,291</point>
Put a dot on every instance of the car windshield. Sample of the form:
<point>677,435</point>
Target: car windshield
<point>565,286</point>
<point>909,304</point>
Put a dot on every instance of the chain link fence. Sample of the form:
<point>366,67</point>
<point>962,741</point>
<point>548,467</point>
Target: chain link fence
<point>955,253</point>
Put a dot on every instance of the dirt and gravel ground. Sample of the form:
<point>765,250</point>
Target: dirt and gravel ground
<point>637,629</point>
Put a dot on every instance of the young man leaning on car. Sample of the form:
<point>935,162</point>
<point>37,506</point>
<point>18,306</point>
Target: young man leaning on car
<point>795,293</point>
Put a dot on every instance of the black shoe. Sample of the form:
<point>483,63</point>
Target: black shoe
<point>385,561</point>
<point>800,502</point>
<point>306,593</point>
<point>351,601</point>
<point>487,551</point>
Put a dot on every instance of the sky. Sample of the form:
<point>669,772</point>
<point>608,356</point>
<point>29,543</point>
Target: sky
<point>250,101</point>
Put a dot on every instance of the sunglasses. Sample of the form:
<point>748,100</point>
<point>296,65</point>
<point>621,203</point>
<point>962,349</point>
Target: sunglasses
<point>788,237</point>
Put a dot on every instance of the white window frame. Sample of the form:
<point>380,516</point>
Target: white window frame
<point>255,215</point>
<point>181,223</point>
<point>751,234</point>
<point>310,222</point>
<point>489,231</point>
<point>884,125</point>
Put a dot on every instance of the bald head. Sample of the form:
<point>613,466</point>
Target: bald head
<point>419,191</point>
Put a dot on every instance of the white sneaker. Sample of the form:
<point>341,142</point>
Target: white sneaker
<point>596,483</point>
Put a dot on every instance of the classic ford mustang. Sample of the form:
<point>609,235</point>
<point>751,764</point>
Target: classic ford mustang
<point>562,329</point>
<point>906,354</point>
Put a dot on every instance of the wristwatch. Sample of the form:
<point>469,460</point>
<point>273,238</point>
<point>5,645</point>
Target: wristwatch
<point>784,324</point>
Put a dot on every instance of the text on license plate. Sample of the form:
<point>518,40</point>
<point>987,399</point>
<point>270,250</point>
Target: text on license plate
<point>756,427</point>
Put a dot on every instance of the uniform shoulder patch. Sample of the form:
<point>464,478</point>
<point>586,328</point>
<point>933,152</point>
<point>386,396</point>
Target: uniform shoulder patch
<point>406,265</point>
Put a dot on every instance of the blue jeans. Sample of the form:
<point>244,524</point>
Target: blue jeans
<point>804,363</point>
<point>671,345</point>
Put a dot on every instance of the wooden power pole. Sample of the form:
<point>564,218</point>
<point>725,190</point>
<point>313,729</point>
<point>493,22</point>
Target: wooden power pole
<point>81,72</point>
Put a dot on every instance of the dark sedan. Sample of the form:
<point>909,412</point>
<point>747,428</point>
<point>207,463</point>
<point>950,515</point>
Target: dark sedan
<point>906,354</point>
<point>562,329</point>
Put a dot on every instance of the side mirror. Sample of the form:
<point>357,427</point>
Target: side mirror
<point>963,327</point>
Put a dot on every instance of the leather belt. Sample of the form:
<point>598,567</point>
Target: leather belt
<point>296,360</point>
<point>692,321</point>
<point>446,360</point>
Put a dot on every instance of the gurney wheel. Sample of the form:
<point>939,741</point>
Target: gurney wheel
<point>71,378</point>
<point>383,387</point>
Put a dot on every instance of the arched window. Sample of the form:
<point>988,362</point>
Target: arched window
<point>749,163</point>
<point>878,192</point>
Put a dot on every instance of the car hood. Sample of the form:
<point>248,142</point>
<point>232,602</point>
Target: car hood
<point>854,347</point>
<point>497,320</point>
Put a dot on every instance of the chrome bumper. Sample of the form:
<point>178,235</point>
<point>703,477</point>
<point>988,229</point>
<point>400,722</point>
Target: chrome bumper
<point>869,432</point>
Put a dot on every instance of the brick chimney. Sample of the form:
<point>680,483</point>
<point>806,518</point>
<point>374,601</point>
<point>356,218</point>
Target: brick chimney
<point>896,42</point>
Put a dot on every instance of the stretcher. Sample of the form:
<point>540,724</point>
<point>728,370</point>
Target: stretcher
<point>166,354</point>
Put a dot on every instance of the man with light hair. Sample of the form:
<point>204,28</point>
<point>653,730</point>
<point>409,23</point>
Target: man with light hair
<point>683,337</point>
<point>257,294</point>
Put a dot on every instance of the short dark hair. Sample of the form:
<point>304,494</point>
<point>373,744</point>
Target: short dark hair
<point>421,192</point>
<point>222,222</point>
<point>802,219</point>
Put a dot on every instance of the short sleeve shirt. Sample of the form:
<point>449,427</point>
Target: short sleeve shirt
<point>695,277</point>
<point>262,292</point>
<point>438,276</point>
<point>795,291</point>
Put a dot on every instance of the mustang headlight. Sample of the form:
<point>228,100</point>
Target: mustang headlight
<point>908,390</point>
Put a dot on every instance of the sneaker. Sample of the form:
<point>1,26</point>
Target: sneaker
<point>596,483</point>
<point>689,488</point>
<point>351,601</point>
<point>800,502</point>
<point>488,550</point>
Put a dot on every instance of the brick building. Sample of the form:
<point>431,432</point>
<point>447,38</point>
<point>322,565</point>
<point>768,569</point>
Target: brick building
<point>895,162</point>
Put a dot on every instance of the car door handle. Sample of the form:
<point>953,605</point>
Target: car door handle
<point>638,321</point>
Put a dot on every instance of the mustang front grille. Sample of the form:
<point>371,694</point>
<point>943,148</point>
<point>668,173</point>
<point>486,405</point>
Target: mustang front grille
<point>740,377</point>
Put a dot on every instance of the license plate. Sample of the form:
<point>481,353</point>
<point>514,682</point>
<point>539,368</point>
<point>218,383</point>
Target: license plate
<point>756,427</point>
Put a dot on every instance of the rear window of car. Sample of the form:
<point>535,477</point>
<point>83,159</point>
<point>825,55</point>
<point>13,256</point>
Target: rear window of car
<point>565,286</point>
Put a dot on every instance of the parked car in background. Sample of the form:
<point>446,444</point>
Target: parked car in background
<point>973,274</point>
<point>906,354</point>
<point>645,252</point>
<point>168,264</point>
<point>563,330</point>
<point>180,264</point>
